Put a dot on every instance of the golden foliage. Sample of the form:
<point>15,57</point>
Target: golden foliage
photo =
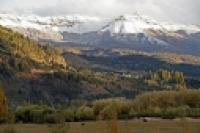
<point>17,45</point>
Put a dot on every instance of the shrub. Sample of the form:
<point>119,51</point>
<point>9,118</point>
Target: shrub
<point>84,113</point>
<point>194,112</point>
<point>68,115</point>
<point>54,118</point>
<point>111,111</point>
<point>121,107</point>
<point>168,103</point>
<point>38,114</point>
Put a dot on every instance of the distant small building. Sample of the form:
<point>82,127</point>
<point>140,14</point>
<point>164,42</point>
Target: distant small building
<point>126,75</point>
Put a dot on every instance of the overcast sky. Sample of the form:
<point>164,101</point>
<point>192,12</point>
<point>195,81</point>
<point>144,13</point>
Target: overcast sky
<point>187,11</point>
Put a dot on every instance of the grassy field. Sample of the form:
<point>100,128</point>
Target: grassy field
<point>131,126</point>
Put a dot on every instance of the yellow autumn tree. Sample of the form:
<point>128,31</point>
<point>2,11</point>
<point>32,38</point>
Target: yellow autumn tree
<point>3,104</point>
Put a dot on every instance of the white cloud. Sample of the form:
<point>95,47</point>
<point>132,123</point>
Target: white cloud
<point>173,10</point>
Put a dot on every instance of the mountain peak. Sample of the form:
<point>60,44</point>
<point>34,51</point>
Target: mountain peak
<point>56,25</point>
<point>121,18</point>
<point>134,23</point>
<point>137,23</point>
<point>135,15</point>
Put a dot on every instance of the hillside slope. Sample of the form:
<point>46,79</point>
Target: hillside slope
<point>39,73</point>
<point>32,72</point>
<point>19,53</point>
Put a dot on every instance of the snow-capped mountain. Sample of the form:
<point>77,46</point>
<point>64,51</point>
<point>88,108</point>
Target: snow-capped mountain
<point>136,23</point>
<point>47,27</point>
<point>142,33</point>
<point>134,31</point>
<point>126,24</point>
<point>131,25</point>
<point>75,23</point>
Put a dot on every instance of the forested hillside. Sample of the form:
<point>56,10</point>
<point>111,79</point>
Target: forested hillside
<point>33,72</point>
<point>36,73</point>
<point>19,53</point>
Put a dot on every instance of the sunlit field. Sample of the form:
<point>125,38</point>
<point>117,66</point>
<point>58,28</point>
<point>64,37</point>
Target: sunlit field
<point>130,126</point>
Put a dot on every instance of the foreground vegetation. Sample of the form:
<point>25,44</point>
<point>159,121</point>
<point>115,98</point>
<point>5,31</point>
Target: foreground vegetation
<point>164,104</point>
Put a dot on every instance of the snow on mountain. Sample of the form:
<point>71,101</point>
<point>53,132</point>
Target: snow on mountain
<point>128,31</point>
<point>126,24</point>
<point>74,24</point>
<point>185,27</point>
<point>143,33</point>
<point>136,23</point>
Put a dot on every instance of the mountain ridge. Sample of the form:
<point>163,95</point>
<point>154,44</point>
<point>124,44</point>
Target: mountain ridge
<point>64,23</point>
<point>137,23</point>
<point>138,32</point>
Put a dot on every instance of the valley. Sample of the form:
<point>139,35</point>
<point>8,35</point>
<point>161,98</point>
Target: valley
<point>79,73</point>
<point>55,75</point>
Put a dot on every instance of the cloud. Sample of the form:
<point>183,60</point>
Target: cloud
<point>186,11</point>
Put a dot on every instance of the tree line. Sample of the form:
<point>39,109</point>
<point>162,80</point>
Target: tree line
<point>162,104</point>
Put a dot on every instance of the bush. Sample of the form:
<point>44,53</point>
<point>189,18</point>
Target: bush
<point>38,114</point>
<point>194,112</point>
<point>68,115</point>
<point>165,104</point>
<point>104,107</point>
<point>168,103</point>
<point>3,120</point>
<point>84,113</point>
<point>55,118</point>
<point>111,111</point>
